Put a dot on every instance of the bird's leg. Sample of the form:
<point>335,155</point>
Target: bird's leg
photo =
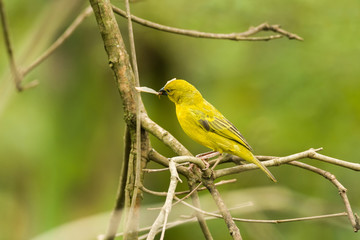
<point>205,156</point>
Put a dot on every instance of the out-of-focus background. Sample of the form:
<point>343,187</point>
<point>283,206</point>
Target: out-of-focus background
<point>61,142</point>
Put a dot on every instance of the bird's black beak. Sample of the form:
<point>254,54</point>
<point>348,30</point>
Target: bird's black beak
<point>162,92</point>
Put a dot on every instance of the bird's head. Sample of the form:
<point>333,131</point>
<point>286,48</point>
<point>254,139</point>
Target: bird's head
<point>180,91</point>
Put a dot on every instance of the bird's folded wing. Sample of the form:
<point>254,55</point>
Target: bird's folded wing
<point>221,126</point>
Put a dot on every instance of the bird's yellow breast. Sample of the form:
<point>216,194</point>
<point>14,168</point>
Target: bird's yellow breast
<point>192,128</point>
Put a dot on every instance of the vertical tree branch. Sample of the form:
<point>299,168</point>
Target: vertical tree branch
<point>200,217</point>
<point>120,199</point>
<point>165,210</point>
<point>233,229</point>
<point>131,219</point>
<point>119,62</point>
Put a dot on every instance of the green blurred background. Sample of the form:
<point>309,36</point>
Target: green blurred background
<point>61,142</point>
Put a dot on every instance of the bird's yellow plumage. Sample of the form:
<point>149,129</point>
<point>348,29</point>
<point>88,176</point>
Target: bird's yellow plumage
<point>205,124</point>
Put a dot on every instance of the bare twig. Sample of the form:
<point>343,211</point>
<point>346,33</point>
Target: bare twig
<point>162,217</point>
<point>233,229</point>
<point>342,190</point>
<point>271,221</point>
<point>163,194</point>
<point>119,205</point>
<point>163,135</point>
<point>199,216</point>
<point>210,216</point>
<point>160,159</point>
<point>244,36</point>
<point>138,118</point>
<point>152,170</point>
<point>335,161</point>
<point>78,20</point>
<point>20,74</point>
<point>16,74</point>
<point>313,154</point>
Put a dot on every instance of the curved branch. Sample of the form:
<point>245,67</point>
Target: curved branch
<point>78,20</point>
<point>354,220</point>
<point>244,36</point>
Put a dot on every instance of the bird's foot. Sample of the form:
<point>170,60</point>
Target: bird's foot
<point>205,156</point>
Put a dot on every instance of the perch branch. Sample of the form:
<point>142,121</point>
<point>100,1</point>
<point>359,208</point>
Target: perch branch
<point>274,162</point>
<point>315,155</point>
<point>244,36</point>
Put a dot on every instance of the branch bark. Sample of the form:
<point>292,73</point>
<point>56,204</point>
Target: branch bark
<point>118,59</point>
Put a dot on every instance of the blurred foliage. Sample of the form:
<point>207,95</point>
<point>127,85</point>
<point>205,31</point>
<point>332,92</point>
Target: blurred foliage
<point>61,142</point>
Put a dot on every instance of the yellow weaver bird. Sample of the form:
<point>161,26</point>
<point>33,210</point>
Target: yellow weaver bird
<point>202,122</point>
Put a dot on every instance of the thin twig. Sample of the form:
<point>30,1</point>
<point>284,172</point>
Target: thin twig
<point>193,190</point>
<point>199,216</point>
<point>163,194</point>
<point>244,36</point>
<point>271,221</point>
<point>162,217</point>
<point>210,217</point>
<point>138,118</point>
<point>147,170</point>
<point>313,154</point>
<point>342,190</point>
<point>119,205</point>
<point>335,161</point>
<point>78,20</point>
<point>16,74</point>
<point>160,159</point>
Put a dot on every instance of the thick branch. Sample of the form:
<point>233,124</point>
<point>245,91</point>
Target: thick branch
<point>119,62</point>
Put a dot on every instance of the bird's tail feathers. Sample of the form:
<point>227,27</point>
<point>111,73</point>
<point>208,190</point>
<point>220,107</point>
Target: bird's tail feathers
<point>264,169</point>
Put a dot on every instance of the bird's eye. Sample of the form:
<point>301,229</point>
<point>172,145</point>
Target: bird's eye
<point>168,90</point>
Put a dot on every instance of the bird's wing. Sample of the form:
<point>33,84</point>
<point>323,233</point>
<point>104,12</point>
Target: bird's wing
<point>220,125</point>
